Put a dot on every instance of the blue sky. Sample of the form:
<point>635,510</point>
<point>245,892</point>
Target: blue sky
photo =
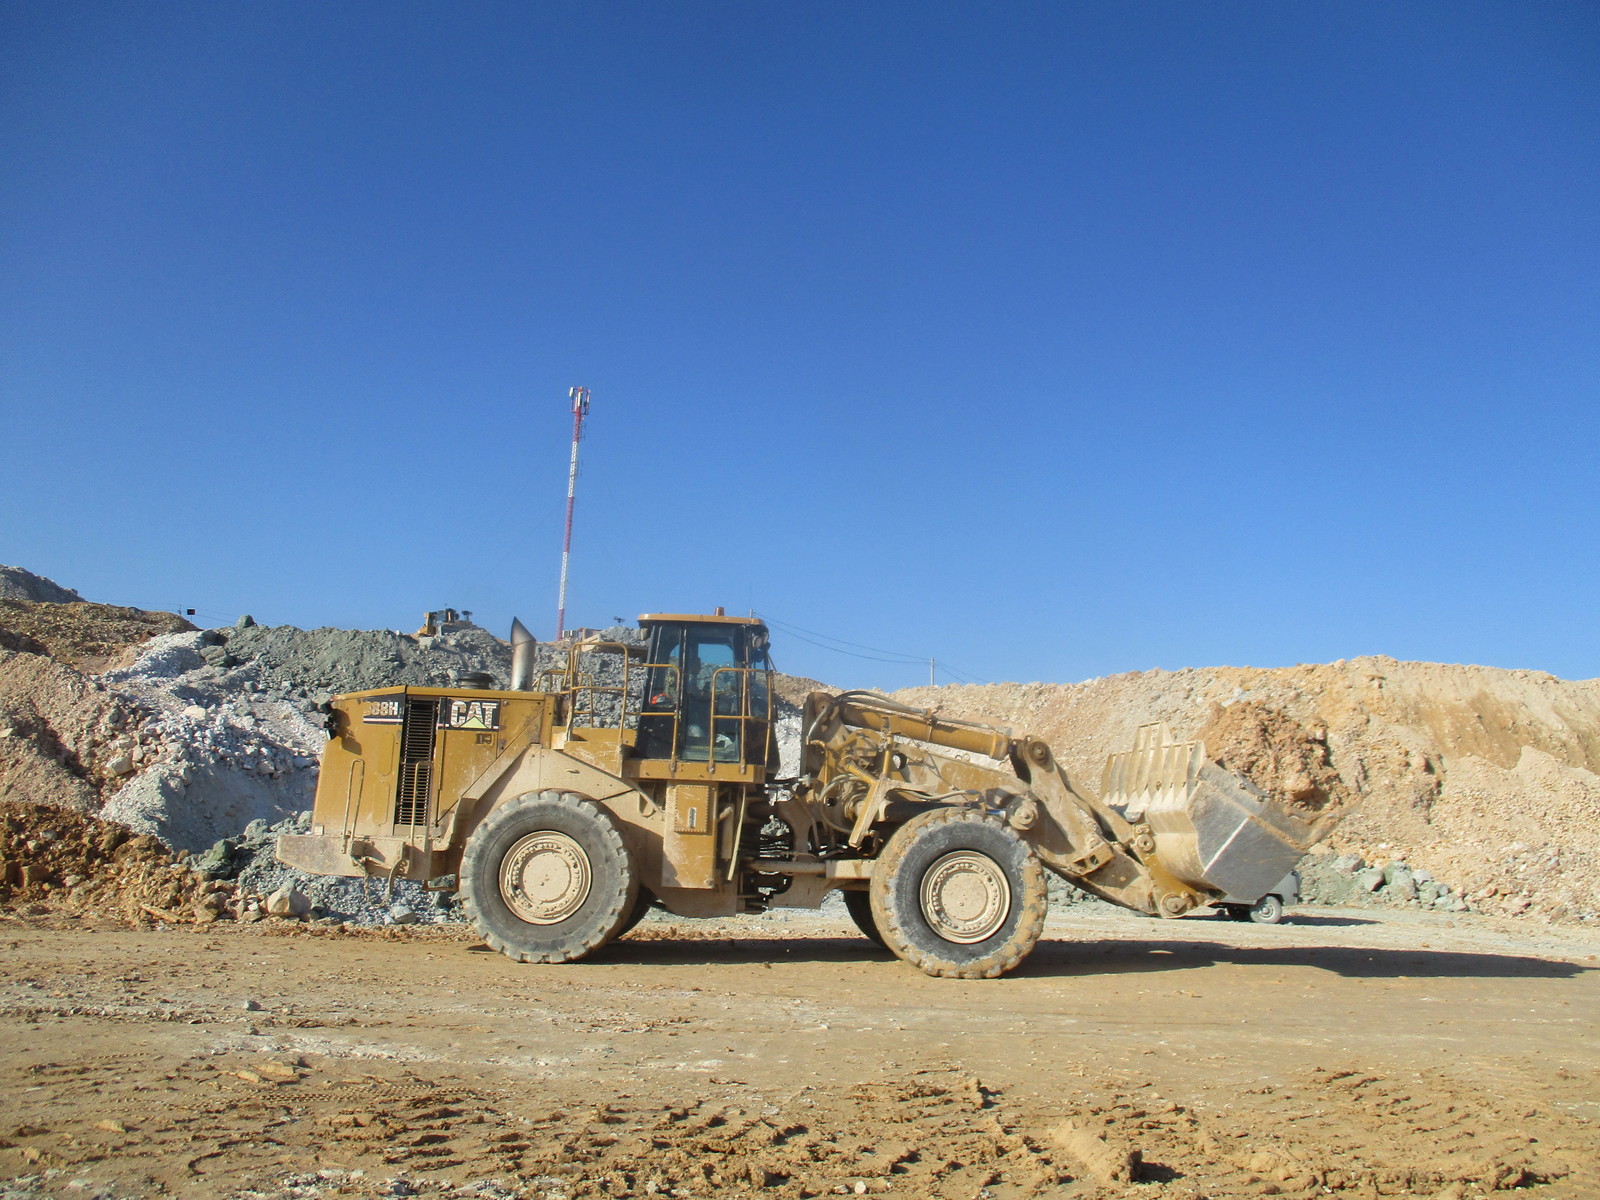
<point>1049,340</point>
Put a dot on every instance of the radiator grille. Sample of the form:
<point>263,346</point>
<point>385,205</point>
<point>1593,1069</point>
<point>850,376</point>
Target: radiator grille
<point>416,762</point>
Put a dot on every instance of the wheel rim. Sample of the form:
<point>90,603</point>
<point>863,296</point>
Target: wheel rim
<point>965,897</point>
<point>545,877</point>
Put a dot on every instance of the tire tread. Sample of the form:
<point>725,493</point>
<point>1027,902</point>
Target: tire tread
<point>1032,910</point>
<point>620,904</point>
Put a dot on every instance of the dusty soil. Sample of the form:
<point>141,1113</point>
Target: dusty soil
<point>1284,758</point>
<point>1349,1053</point>
<point>86,636</point>
<point>62,734</point>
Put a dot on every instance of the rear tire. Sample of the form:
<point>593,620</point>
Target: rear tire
<point>547,878</point>
<point>859,905</point>
<point>958,894</point>
<point>1267,911</point>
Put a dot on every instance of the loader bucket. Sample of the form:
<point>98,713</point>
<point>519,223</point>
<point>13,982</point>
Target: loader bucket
<point>1213,829</point>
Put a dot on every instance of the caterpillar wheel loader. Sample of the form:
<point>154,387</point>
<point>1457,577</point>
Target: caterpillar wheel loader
<point>642,774</point>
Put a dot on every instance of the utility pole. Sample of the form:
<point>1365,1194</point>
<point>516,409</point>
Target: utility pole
<point>931,683</point>
<point>580,410</point>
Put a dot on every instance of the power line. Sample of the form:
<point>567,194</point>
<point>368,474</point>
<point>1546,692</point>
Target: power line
<point>893,655</point>
<point>878,653</point>
<point>961,676</point>
<point>851,653</point>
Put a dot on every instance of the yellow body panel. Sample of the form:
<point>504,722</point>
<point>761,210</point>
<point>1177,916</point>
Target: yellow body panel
<point>360,825</point>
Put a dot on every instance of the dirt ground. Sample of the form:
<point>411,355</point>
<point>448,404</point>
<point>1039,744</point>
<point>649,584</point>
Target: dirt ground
<point>1348,1053</point>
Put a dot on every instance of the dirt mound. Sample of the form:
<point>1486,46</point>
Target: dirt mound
<point>51,860</point>
<point>19,584</point>
<point>1487,779</point>
<point>65,740</point>
<point>54,861</point>
<point>83,635</point>
<point>793,689</point>
<point>1282,757</point>
<point>20,642</point>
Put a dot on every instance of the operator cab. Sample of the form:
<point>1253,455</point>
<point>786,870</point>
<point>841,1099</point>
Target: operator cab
<point>708,690</point>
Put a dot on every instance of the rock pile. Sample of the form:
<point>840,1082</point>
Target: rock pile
<point>66,738</point>
<point>235,712</point>
<point>226,747</point>
<point>51,859</point>
<point>249,861</point>
<point>55,861</point>
<point>303,661</point>
<point>19,584</point>
<point>1348,880</point>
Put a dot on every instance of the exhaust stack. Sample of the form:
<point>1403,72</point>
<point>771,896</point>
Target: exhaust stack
<point>523,647</point>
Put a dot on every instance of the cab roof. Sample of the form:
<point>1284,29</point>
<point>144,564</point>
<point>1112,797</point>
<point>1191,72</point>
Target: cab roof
<point>698,618</point>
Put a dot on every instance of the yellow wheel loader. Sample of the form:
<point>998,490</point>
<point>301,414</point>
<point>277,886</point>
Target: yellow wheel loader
<point>644,773</point>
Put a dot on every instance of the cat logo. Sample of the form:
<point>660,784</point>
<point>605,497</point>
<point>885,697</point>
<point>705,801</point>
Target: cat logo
<point>471,714</point>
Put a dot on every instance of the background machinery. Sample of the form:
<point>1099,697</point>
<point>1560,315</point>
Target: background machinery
<point>644,773</point>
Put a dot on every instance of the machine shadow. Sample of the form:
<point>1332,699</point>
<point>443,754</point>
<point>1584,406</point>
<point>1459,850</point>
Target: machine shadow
<point>1299,916</point>
<point>680,952</point>
<point>1057,959</point>
<point>1113,957</point>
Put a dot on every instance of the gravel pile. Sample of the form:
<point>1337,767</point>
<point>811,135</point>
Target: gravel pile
<point>250,861</point>
<point>87,637</point>
<point>228,745</point>
<point>351,660</point>
<point>235,713</point>
<point>601,668</point>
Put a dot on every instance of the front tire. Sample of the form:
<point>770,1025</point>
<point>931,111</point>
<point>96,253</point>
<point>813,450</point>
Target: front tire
<point>956,893</point>
<point>547,878</point>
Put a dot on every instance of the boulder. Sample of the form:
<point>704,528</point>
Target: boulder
<point>215,861</point>
<point>1401,883</point>
<point>288,901</point>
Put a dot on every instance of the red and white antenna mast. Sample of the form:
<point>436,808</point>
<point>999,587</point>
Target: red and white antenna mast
<point>580,410</point>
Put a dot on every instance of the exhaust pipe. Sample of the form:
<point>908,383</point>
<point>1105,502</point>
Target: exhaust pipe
<point>523,648</point>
